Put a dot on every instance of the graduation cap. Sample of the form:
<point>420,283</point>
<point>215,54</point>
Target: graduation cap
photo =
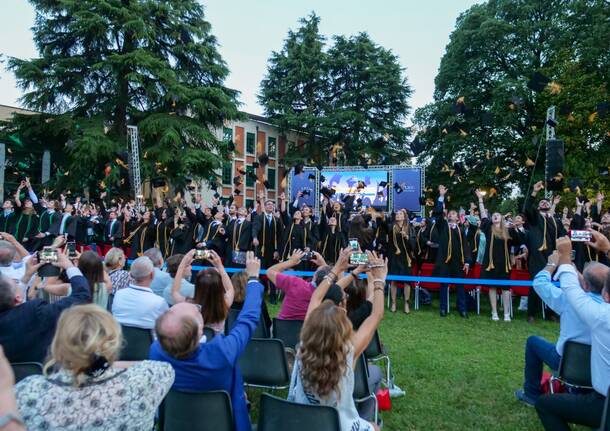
<point>263,159</point>
<point>230,199</point>
<point>216,195</point>
<point>231,146</point>
<point>241,170</point>
<point>602,109</point>
<point>311,177</point>
<point>328,192</point>
<point>603,171</point>
<point>551,123</point>
<point>236,192</point>
<point>322,178</point>
<point>458,167</point>
<point>575,185</point>
<point>255,165</point>
<point>398,188</point>
<point>417,146</point>
<point>237,180</point>
<point>383,184</point>
<point>422,200</point>
<point>298,168</point>
<point>538,82</point>
<point>380,194</point>
<point>359,202</point>
<point>214,186</point>
<point>252,176</point>
<point>361,185</point>
<point>319,167</point>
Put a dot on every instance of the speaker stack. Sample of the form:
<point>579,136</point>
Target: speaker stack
<point>555,160</point>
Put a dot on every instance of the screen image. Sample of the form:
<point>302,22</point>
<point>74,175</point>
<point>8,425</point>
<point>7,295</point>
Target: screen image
<point>406,188</point>
<point>304,184</point>
<point>363,184</point>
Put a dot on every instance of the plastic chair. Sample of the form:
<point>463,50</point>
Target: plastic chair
<point>289,331</point>
<point>277,414</point>
<point>362,392</point>
<point>261,330</point>
<point>375,352</point>
<point>137,343</point>
<point>25,369</point>
<point>263,364</point>
<point>196,411</point>
<point>574,366</point>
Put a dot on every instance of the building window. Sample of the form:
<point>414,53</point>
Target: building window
<point>250,143</point>
<point>227,172</point>
<point>227,134</point>
<point>249,178</point>
<point>271,177</point>
<point>272,147</point>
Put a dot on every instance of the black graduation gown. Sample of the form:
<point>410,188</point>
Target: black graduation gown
<point>293,237</point>
<point>7,222</point>
<point>25,229</point>
<point>498,250</point>
<point>400,249</point>
<point>269,237</point>
<point>541,237</point>
<point>453,251</point>
<point>141,239</point>
<point>331,241</point>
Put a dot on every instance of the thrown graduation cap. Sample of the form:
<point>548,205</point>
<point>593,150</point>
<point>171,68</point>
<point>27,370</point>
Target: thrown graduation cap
<point>216,195</point>
<point>236,180</point>
<point>255,165</point>
<point>383,184</point>
<point>575,184</point>
<point>241,170</point>
<point>322,178</point>
<point>328,192</point>
<point>267,184</point>
<point>263,159</point>
<point>231,146</point>
<point>538,82</point>
<point>319,167</point>
<point>417,146</point>
<point>361,185</point>
<point>236,192</point>
<point>230,199</point>
<point>551,123</point>
<point>311,177</point>
<point>603,171</point>
<point>398,188</point>
<point>602,109</point>
<point>422,200</point>
<point>298,168</point>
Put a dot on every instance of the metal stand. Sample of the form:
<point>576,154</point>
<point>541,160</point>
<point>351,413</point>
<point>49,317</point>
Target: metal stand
<point>550,134</point>
<point>134,165</point>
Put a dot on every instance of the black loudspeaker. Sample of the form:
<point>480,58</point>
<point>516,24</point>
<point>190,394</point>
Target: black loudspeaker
<point>555,159</point>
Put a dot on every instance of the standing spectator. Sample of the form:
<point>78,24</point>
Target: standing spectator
<point>210,365</point>
<point>137,305</point>
<point>35,319</point>
<point>90,390</point>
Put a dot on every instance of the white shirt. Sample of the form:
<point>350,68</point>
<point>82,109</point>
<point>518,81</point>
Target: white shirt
<point>138,306</point>
<point>597,317</point>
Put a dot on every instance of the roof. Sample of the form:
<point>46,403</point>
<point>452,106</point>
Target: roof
<point>6,111</point>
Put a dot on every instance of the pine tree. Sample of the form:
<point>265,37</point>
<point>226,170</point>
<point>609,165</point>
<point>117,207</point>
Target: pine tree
<point>106,64</point>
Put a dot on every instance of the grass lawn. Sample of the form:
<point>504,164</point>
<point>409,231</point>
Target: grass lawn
<point>458,374</point>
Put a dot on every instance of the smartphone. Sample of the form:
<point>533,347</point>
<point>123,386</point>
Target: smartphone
<point>358,259</point>
<point>307,256</point>
<point>47,255</point>
<point>71,248</point>
<point>353,243</point>
<point>202,254</point>
<point>239,257</point>
<point>580,235</point>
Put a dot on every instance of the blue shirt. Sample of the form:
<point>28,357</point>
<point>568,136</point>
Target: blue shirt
<point>213,366</point>
<point>597,318</point>
<point>571,327</point>
<point>161,280</point>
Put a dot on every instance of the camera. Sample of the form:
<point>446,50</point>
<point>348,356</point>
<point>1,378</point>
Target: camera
<point>307,256</point>
<point>47,255</point>
<point>202,254</point>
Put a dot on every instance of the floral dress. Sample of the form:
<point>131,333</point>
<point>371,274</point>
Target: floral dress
<point>119,399</point>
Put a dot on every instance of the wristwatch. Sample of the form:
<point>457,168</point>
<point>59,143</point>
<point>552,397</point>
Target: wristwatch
<point>8,418</point>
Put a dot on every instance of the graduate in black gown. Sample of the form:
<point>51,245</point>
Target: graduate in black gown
<point>25,226</point>
<point>142,237</point>
<point>401,247</point>
<point>584,253</point>
<point>239,237</point>
<point>543,231</point>
<point>162,230</point>
<point>294,235</point>
<point>331,240</point>
<point>266,237</point>
<point>453,258</point>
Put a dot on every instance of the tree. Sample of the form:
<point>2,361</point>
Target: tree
<point>105,64</point>
<point>485,124</point>
<point>367,101</point>
<point>293,91</point>
<point>353,96</point>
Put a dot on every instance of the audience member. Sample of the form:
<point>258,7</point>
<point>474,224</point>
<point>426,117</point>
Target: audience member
<point>115,262</point>
<point>27,328</point>
<point>9,415</point>
<point>137,305</point>
<point>100,286</point>
<point>240,281</point>
<point>329,348</point>
<point>89,389</point>
<point>12,255</point>
<point>161,279</point>
<point>210,365</point>
<point>187,289</point>
<point>556,411</point>
<point>297,291</point>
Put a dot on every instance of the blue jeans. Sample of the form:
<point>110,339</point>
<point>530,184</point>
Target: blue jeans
<point>538,352</point>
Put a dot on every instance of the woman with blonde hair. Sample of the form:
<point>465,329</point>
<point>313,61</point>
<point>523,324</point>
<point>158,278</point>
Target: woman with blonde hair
<point>114,263</point>
<point>496,263</point>
<point>87,388</point>
<point>329,349</point>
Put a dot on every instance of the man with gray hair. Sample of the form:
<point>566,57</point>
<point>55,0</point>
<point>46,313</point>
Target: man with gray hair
<point>137,305</point>
<point>161,279</point>
<point>12,257</point>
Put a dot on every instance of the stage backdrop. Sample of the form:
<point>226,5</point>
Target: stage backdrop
<point>409,181</point>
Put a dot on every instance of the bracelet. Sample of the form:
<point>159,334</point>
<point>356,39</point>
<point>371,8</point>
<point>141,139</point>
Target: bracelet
<point>551,264</point>
<point>355,276</point>
<point>377,288</point>
<point>379,280</point>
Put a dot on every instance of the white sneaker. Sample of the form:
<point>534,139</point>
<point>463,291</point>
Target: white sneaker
<point>494,317</point>
<point>507,317</point>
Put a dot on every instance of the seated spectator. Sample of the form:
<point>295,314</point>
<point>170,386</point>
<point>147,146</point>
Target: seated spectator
<point>211,365</point>
<point>556,411</point>
<point>115,262</point>
<point>329,348</point>
<point>26,329</point>
<point>8,404</point>
<point>297,292</point>
<point>162,279</point>
<point>240,280</point>
<point>137,305</point>
<point>12,257</point>
<point>90,390</point>
<point>91,265</point>
<point>213,290</point>
<point>187,289</point>
<point>359,304</point>
<point>539,351</point>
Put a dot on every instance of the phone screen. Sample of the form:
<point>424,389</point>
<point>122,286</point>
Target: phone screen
<point>71,248</point>
<point>580,235</point>
<point>353,243</point>
<point>358,259</point>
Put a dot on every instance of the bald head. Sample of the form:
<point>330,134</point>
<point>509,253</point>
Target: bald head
<point>179,330</point>
<point>595,275</point>
<point>7,253</point>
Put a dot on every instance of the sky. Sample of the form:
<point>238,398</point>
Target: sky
<point>249,30</point>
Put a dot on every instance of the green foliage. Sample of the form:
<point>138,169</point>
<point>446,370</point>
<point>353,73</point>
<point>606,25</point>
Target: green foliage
<point>493,52</point>
<point>353,94</point>
<point>104,64</point>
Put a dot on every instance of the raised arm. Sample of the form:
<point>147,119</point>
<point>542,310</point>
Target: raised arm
<point>530,210</point>
<point>482,208</point>
<point>321,290</point>
<point>186,261</point>
<point>278,268</point>
<point>216,262</point>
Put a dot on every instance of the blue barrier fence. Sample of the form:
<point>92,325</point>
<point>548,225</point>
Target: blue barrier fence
<point>403,278</point>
